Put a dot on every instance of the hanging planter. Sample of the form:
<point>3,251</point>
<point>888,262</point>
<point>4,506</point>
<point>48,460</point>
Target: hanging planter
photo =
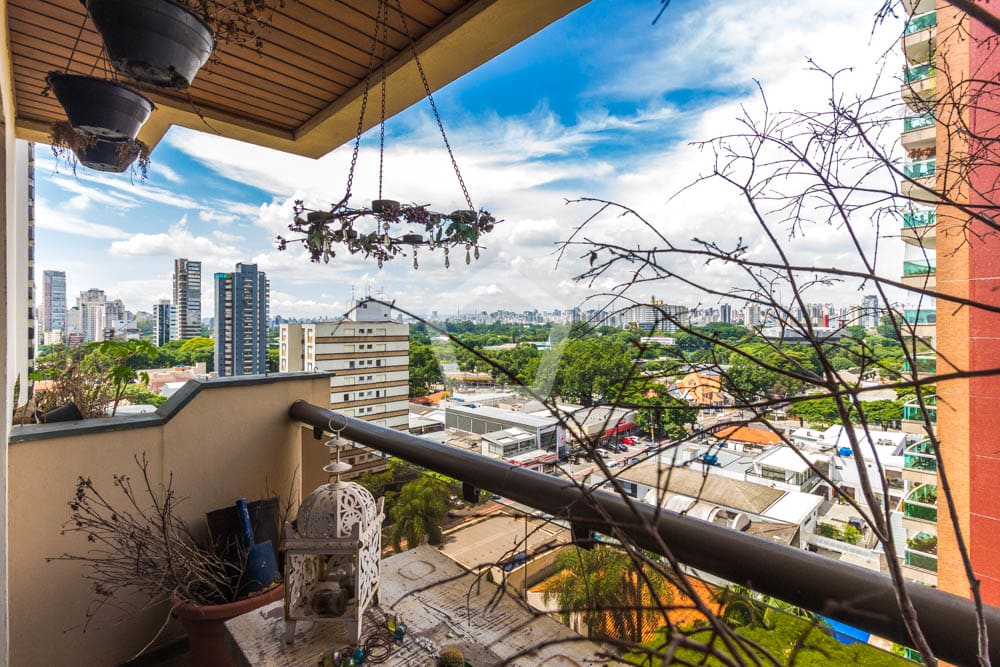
<point>98,107</point>
<point>100,154</point>
<point>158,42</point>
<point>374,232</point>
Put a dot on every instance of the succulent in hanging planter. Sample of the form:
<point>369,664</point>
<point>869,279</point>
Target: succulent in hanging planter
<point>95,153</point>
<point>374,232</point>
<point>166,42</point>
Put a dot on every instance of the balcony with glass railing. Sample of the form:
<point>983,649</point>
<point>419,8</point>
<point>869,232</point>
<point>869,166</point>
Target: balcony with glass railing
<point>912,411</point>
<point>921,168</point>
<point>917,73</point>
<point>924,364</point>
<point>918,219</point>
<point>919,122</point>
<point>921,22</point>
<point>922,503</point>
<point>919,267</point>
<point>920,316</point>
<point>920,457</point>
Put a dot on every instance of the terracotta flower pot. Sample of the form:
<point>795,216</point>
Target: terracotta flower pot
<point>204,625</point>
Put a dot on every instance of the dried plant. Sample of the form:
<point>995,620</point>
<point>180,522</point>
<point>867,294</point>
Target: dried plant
<point>138,542</point>
<point>235,21</point>
<point>68,144</point>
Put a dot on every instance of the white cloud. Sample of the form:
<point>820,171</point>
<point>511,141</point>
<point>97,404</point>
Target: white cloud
<point>58,220</point>
<point>166,172</point>
<point>206,215</point>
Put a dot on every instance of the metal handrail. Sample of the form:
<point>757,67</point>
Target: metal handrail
<point>849,594</point>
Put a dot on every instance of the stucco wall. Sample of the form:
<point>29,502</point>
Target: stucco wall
<point>230,439</point>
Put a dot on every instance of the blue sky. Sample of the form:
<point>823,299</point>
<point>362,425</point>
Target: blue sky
<point>599,104</point>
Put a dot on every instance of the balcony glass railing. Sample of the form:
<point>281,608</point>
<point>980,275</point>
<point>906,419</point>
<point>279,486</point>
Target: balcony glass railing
<point>918,267</point>
<point>920,169</point>
<point>920,315</point>
<point>911,410</point>
<point>917,122</point>
<point>922,22</point>
<point>923,364</point>
<point>919,219</point>
<point>920,457</point>
<point>921,560</point>
<point>922,503</point>
<point>918,73</point>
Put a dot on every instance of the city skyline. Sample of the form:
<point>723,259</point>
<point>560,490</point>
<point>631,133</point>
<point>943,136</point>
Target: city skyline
<point>579,134</point>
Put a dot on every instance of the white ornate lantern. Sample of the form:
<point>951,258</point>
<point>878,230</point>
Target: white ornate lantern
<point>332,555</point>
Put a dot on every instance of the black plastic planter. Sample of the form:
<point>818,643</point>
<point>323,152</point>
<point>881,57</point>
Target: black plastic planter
<point>99,107</point>
<point>103,155</point>
<point>153,41</point>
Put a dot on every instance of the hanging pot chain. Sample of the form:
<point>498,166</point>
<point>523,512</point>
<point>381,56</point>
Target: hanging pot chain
<point>430,98</point>
<point>385,75</point>
<point>364,104</point>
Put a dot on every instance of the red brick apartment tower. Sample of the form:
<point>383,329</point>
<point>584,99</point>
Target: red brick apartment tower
<point>968,265</point>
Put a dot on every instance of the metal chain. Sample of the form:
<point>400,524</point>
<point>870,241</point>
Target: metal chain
<point>385,74</point>
<point>430,98</point>
<point>364,106</point>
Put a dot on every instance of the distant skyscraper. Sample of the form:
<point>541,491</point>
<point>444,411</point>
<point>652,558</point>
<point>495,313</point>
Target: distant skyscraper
<point>161,322</point>
<point>241,300</point>
<point>53,301</point>
<point>93,306</point>
<point>869,311</point>
<point>187,299</point>
<point>726,313</point>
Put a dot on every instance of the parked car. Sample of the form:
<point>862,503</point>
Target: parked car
<point>603,452</point>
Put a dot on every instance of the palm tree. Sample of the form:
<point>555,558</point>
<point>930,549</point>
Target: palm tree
<point>418,511</point>
<point>614,596</point>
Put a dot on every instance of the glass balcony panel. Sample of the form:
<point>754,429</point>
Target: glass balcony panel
<point>921,560</point>
<point>920,169</point>
<point>920,315</point>
<point>923,364</point>
<point>918,267</point>
<point>922,22</point>
<point>917,122</point>
<point>919,219</point>
<point>920,457</point>
<point>918,73</point>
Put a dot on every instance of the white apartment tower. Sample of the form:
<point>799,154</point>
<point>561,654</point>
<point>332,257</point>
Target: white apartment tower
<point>93,305</point>
<point>53,301</point>
<point>187,299</point>
<point>369,355</point>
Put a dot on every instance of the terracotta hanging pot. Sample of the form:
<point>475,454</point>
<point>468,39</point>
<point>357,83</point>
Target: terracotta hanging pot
<point>154,41</point>
<point>98,107</point>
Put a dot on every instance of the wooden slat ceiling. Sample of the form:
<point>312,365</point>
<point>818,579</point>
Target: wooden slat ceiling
<point>300,94</point>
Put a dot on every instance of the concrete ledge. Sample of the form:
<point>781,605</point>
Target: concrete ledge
<point>164,413</point>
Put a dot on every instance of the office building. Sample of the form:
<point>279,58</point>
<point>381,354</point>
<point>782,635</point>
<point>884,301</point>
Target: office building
<point>241,300</point>
<point>656,316</point>
<point>187,299</point>
<point>369,354</point>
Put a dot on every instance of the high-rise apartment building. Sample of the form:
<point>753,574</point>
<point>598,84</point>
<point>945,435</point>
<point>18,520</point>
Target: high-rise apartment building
<point>53,301</point>
<point>656,316</point>
<point>960,96</point>
<point>369,355</point>
<point>187,299</point>
<point>93,305</point>
<point>162,319</point>
<point>241,299</point>
<point>870,311</point>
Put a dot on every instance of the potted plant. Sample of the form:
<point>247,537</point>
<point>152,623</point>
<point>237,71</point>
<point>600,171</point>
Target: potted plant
<point>100,154</point>
<point>140,543</point>
<point>166,42</point>
<point>100,107</point>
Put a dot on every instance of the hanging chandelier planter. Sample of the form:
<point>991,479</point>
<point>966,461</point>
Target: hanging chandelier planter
<point>388,229</point>
<point>158,42</point>
<point>99,107</point>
